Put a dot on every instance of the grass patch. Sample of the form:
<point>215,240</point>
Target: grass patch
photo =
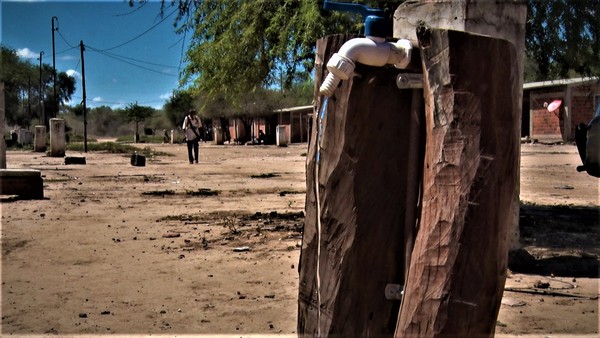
<point>116,148</point>
<point>202,192</point>
<point>143,139</point>
<point>159,193</point>
<point>268,175</point>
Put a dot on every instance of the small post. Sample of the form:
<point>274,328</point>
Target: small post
<point>2,125</point>
<point>57,137</point>
<point>173,136</point>
<point>40,139</point>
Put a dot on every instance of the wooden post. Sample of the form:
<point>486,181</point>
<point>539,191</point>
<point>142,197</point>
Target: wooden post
<point>470,180</point>
<point>358,199</point>
<point>499,19</point>
<point>2,126</point>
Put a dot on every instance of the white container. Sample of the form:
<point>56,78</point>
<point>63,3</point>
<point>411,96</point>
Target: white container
<point>281,136</point>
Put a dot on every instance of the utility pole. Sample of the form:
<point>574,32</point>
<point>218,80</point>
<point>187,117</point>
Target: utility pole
<point>29,97</point>
<point>82,48</point>
<point>55,99</point>
<point>42,116</point>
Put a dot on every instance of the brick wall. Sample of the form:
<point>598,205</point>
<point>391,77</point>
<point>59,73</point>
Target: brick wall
<point>582,105</point>
<point>546,124</point>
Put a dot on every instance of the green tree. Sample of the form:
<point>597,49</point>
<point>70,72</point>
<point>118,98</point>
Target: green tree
<point>136,113</point>
<point>239,45</point>
<point>22,88</point>
<point>562,39</point>
<point>178,105</point>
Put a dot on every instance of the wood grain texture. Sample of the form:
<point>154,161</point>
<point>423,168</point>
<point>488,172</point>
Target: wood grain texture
<point>458,265</point>
<point>365,189</point>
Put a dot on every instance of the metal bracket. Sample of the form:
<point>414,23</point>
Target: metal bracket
<point>409,81</point>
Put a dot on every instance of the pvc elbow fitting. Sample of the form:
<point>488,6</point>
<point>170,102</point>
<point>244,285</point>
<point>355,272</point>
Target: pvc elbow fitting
<point>371,51</point>
<point>340,68</point>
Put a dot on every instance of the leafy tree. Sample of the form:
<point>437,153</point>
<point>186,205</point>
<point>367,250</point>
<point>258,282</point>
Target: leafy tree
<point>22,88</point>
<point>238,46</point>
<point>562,39</point>
<point>136,113</point>
<point>19,82</point>
<point>178,105</point>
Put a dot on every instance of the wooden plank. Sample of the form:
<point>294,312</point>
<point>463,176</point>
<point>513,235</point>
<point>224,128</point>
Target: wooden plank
<point>365,187</point>
<point>458,265</point>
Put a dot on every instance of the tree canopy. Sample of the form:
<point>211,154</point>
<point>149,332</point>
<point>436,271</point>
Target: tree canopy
<point>240,45</point>
<point>27,95</point>
<point>562,39</point>
<point>136,113</point>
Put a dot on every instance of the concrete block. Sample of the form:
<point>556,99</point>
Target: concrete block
<point>26,183</point>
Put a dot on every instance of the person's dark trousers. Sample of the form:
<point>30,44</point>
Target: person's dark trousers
<point>192,145</point>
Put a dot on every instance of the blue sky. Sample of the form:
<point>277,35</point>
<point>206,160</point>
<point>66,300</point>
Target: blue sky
<point>131,53</point>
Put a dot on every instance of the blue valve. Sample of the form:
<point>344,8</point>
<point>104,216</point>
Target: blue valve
<point>375,22</point>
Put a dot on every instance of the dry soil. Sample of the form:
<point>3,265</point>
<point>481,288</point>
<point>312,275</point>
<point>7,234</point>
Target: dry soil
<point>212,248</point>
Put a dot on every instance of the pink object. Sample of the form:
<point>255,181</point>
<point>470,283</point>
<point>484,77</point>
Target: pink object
<point>554,105</point>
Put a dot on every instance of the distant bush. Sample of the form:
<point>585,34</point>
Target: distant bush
<point>116,148</point>
<point>79,138</point>
<point>143,139</point>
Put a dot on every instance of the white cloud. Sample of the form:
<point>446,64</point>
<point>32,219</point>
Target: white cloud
<point>74,74</point>
<point>67,58</point>
<point>26,53</point>
<point>97,99</point>
<point>166,96</point>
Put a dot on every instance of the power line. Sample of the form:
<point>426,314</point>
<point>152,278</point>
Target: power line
<point>130,63</point>
<point>130,58</point>
<point>63,38</point>
<point>141,34</point>
<point>134,10</point>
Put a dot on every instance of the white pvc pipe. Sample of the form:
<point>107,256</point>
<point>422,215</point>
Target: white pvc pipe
<point>377,52</point>
<point>370,51</point>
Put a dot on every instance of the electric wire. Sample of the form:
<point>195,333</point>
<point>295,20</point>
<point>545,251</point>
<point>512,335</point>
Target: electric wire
<point>132,59</point>
<point>65,40</point>
<point>125,59</point>
<point>103,52</point>
<point>143,33</point>
<point>134,10</point>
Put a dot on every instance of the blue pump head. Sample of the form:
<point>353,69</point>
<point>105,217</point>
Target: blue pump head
<point>375,22</point>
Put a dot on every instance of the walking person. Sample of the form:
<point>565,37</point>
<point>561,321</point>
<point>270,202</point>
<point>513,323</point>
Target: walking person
<point>191,128</point>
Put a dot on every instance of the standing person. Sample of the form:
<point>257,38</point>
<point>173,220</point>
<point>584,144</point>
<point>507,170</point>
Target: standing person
<point>191,128</point>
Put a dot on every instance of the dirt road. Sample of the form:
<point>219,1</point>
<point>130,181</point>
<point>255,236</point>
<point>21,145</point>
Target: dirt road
<point>173,248</point>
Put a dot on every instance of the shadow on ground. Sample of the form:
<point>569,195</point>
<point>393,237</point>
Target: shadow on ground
<point>558,240</point>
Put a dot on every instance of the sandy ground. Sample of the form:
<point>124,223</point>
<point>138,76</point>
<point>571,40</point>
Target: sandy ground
<point>212,248</point>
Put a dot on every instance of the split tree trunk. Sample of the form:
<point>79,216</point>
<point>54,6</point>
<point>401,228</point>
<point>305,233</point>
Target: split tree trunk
<point>365,190</point>
<point>458,266</point>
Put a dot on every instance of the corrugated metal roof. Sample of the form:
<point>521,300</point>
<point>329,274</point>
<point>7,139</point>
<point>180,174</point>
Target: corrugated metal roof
<point>563,82</point>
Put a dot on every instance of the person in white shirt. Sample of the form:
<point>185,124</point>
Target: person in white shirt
<point>191,128</point>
